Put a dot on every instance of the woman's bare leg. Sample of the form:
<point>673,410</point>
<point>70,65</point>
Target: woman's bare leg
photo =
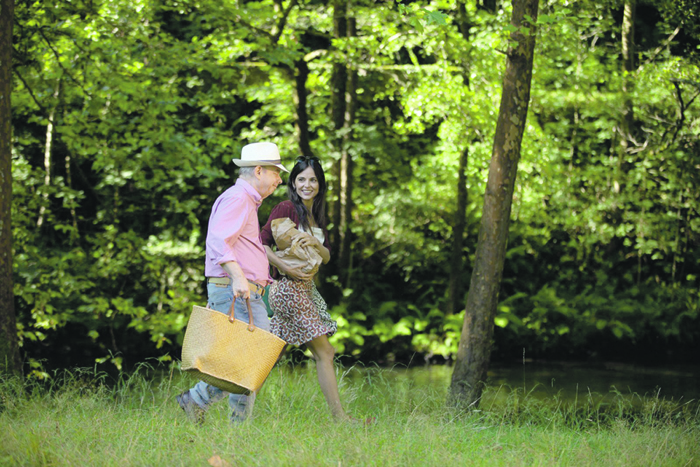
<point>323,353</point>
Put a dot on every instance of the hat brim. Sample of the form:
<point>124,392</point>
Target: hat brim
<point>242,163</point>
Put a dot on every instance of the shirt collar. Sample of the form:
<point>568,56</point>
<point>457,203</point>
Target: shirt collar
<point>248,188</point>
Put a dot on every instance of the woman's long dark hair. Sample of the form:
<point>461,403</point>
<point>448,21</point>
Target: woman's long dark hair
<point>319,206</point>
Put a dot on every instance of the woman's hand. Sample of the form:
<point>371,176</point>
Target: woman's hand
<point>284,267</point>
<point>295,273</point>
<point>306,239</point>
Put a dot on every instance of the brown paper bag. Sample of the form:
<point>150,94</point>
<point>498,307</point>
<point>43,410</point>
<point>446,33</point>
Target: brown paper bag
<point>284,231</point>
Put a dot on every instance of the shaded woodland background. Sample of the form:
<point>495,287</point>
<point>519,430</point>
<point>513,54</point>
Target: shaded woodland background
<point>126,116</point>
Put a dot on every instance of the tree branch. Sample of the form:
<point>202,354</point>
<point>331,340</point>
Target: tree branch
<point>31,93</point>
<point>283,21</point>
<point>683,107</point>
<point>58,60</point>
<point>661,47</point>
<point>276,33</point>
<point>253,28</point>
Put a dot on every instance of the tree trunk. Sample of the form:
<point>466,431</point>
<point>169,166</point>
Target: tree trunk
<point>73,214</point>
<point>338,84</point>
<point>628,69</point>
<point>454,290</point>
<point>301,75</point>
<point>9,348</point>
<point>460,223</point>
<point>477,332</point>
<point>346,171</point>
<point>627,123</point>
<point>47,155</point>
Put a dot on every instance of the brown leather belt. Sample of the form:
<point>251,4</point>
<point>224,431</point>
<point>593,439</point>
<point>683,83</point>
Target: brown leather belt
<point>224,281</point>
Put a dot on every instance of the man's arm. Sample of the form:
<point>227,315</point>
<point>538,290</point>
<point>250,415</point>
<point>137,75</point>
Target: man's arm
<point>225,227</point>
<point>239,283</point>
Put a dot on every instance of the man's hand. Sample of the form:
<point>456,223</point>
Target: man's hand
<point>239,283</point>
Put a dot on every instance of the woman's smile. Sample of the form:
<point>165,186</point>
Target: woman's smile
<point>306,184</point>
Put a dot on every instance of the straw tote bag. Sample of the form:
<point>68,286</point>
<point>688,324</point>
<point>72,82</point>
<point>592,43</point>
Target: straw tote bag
<point>228,353</point>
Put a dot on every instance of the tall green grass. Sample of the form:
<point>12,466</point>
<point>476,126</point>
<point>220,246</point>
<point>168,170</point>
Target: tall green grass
<point>82,417</point>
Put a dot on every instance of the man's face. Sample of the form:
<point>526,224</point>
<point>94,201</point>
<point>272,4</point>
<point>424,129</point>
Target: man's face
<point>269,179</point>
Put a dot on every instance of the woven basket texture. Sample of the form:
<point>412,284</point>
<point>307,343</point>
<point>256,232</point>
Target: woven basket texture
<point>227,355</point>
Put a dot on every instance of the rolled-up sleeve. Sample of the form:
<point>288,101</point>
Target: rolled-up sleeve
<point>225,227</point>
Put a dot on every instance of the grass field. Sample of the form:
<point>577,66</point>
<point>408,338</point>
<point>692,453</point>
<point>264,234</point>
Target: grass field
<point>83,418</point>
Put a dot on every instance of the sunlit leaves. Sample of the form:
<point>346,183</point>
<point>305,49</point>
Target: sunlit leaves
<point>156,97</point>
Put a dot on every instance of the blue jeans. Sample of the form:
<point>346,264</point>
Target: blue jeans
<point>220,298</point>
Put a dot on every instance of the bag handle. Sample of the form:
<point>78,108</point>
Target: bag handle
<point>231,319</point>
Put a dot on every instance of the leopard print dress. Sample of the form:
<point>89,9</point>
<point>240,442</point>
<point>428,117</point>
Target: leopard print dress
<point>300,313</point>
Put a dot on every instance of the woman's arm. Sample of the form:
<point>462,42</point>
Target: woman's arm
<point>282,210</point>
<point>323,251</point>
<point>279,263</point>
<point>307,239</point>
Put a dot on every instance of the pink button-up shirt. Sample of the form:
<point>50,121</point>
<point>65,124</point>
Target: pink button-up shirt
<point>234,234</point>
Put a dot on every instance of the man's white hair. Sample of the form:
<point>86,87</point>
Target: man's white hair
<point>246,172</point>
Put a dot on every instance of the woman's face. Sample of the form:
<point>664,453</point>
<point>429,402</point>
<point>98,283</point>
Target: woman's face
<point>306,184</point>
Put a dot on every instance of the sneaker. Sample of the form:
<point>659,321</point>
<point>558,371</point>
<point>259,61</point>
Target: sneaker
<point>192,409</point>
<point>242,409</point>
<point>237,418</point>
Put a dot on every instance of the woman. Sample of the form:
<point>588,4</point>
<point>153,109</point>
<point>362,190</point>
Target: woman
<point>300,313</point>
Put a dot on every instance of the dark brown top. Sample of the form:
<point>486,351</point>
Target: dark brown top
<point>282,210</point>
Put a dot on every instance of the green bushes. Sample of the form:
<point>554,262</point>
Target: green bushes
<point>110,208</point>
<point>562,312</point>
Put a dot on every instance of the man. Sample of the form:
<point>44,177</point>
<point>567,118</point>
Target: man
<point>236,263</point>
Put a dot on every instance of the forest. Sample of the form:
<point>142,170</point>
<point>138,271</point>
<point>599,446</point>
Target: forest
<point>126,115</point>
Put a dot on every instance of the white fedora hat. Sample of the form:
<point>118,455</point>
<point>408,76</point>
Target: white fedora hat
<point>255,154</point>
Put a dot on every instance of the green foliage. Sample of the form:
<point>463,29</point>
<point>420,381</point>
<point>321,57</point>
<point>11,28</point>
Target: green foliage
<point>150,100</point>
